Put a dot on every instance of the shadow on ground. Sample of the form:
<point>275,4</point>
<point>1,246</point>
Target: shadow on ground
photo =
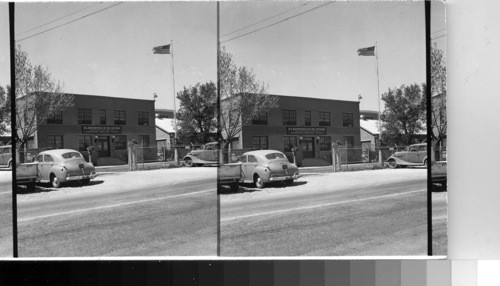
<point>45,188</point>
<point>249,188</point>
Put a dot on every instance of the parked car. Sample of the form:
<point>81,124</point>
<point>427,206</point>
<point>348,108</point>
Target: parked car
<point>6,156</point>
<point>263,166</point>
<point>63,165</point>
<point>414,155</point>
<point>208,154</point>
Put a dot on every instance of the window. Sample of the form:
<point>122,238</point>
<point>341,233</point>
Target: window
<point>84,116</point>
<point>289,142</point>
<point>120,142</point>
<point>102,116</point>
<point>55,141</point>
<point>84,141</point>
<point>143,118</point>
<point>259,142</point>
<point>48,158</point>
<point>120,117</point>
<point>289,117</point>
<point>324,118</point>
<point>348,141</point>
<point>260,119</point>
<point>347,120</point>
<point>145,140</point>
<point>422,148</point>
<point>55,118</point>
<point>252,159</point>
<point>307,118</point>
<point>325,143</point>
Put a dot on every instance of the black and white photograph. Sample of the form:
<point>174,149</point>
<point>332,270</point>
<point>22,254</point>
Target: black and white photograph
<point>104,99</point>
<point>323,121</point>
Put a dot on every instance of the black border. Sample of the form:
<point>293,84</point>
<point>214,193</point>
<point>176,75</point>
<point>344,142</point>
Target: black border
<point>429,122</point>
<point>13,124</point>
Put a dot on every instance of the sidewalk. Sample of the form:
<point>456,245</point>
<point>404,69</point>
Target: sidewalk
<point>344,168</point>
<point>140,167</point>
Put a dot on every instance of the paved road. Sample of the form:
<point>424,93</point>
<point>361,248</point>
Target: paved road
<point>6,249</point>
<point>168,212</point>
<point>379,212</point>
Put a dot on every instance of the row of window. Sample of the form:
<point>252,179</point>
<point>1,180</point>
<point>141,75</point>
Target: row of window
<point>324,142</point>
<point>290,118</point>
<point>84,141</point>
<point>85,117</point>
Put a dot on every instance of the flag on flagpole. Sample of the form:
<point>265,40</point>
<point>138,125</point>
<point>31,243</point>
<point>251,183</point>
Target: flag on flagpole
<point>162,49</point>
<point>370,51</point>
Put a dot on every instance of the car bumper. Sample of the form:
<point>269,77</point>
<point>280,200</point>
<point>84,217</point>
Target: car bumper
<point>278,178</point>
<point>77,177</point>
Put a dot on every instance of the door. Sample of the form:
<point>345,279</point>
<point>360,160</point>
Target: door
<point>45,162</point>
<point>308,147</point>
<point>103,146</point>
<point>247,165</point>
<point>422,153</point>
<point>412,155</point>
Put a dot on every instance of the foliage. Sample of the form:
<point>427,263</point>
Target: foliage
<point>197,116</point>
<point>438,95</point>
<point>37,97</point>
<point>243,97</point>
<point>404,114</point>
<point>5,109</point>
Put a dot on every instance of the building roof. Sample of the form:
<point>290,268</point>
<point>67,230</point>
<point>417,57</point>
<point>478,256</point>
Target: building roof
<point>369,125</point>
<point>165,124</point>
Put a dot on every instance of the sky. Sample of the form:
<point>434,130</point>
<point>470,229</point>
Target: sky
<point>110,53</point>
<point>315,54</point>
<point>312,55</point>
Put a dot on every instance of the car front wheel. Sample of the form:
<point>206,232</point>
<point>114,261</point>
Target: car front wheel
<point>55,182</point>
<point>258,182</point>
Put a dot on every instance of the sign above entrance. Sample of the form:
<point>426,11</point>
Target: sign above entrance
<point>96,129</point>
<point>306,131</point>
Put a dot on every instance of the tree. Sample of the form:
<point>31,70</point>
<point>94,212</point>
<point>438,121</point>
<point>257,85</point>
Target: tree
<point>197,116</point>
<point>404,114</point>
<point>38,96</point>
<point>5,110</point>
<point>438,95</point>
<point>243,97</point>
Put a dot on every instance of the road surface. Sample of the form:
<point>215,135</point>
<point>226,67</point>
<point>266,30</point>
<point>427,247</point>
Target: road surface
<point>376,212</point>
<point>167,212</point>
<point>6,246</point>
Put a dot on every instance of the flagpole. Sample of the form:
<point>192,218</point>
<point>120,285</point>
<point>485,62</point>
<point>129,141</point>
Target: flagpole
<point>378,94</point>
<point>175,111</point>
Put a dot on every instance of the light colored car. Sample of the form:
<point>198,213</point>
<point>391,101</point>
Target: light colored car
<point>6,156</point>
<point>63,165</point>
<point>208,154</point>
<point>264,166</point>
<point>414,155</point>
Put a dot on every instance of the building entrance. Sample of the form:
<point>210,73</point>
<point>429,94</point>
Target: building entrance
<point>308,147</point>
<point>103,146</point>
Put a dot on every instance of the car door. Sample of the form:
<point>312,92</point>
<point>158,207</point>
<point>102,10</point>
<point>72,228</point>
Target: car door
<point>48,162</point>
<point>422,153</point>
<point>412,155</point>
<point>244,173</point>
<point>249,166</point>
<point>39,166</point>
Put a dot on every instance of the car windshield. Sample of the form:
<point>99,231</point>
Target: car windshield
<point>272,156</point>
<point>70,155</point>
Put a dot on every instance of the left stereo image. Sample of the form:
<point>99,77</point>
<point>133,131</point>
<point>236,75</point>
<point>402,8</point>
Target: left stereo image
<point>98,99</point>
